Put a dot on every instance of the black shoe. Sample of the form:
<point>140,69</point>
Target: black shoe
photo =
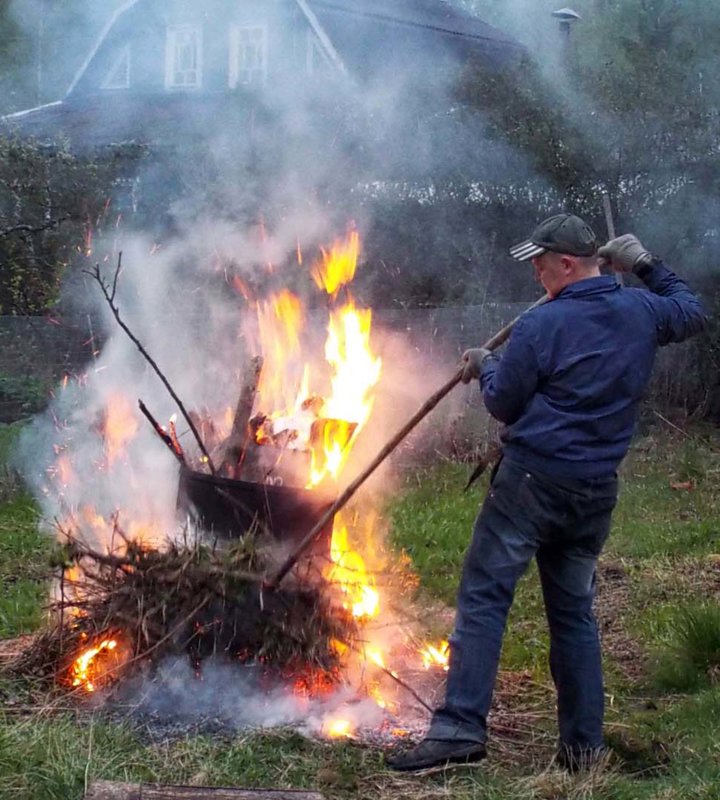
<point>581,759</point>
<point>435,753</point>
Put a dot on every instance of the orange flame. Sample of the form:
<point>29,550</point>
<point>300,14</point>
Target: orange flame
<point>337,267</point>
<point>86,670</point>
<point>280,319</point>
<point>348,571</point>
<point>337,728</point>
<point>119,428</point>
<point>356,372</point>
<point>436,656</point>
<point>324,427</point>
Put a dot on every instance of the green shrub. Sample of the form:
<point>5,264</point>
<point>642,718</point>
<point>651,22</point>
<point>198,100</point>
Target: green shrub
<point>692,660</point>
<point>31,392</point>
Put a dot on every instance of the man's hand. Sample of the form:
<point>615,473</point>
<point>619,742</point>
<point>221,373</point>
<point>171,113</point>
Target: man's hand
<point>625,254</point>
<point>472,362</point>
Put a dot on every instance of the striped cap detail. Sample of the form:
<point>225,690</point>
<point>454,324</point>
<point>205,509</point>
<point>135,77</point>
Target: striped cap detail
<point>526,250</point>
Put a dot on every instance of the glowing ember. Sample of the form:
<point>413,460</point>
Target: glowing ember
<point>89,666</point>
<point>436,656</point>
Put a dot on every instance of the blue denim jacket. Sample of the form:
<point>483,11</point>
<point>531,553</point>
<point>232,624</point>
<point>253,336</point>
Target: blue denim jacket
<point>570,381</point>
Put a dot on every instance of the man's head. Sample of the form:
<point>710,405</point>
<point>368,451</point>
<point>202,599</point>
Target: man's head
<point>563,251</point>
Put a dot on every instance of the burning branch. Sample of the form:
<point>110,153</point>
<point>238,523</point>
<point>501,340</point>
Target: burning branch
<point>109,295</point>
<point>235,448</point>
<point>165,437</point>
<point>186,599</point>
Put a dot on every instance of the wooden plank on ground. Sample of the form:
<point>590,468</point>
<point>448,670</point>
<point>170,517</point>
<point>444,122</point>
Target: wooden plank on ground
<point>110,790</point>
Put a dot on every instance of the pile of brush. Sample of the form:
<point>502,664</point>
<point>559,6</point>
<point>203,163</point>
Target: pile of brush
<point>189,599</point>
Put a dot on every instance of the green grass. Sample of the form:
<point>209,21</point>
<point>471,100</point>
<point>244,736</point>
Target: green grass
<point>23,551</point>
<point>690,657</point>
<point>663,542</point>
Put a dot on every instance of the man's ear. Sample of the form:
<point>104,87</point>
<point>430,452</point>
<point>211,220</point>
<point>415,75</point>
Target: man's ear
<point>568,263</point>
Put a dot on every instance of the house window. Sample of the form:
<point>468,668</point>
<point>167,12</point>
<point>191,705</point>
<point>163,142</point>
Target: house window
<point>248,55</point>
<point>183,63</point>
<point>118,76</point>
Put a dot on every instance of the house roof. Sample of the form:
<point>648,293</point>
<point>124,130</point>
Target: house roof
<point>433,15</point>
<point>95,122</point>
<point>423,17</point>
<point>354,34</point>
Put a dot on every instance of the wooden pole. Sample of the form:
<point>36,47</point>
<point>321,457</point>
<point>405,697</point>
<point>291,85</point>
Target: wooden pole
<point>610,224</point>
<point>494,342</point>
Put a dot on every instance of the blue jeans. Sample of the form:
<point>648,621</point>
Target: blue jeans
<point>564,525</point>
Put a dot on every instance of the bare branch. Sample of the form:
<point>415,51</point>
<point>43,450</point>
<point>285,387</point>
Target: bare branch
<point>109,296</point>
<point>53,223</point>
<point>118,269</point>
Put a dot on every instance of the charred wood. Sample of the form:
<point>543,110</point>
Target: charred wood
<point>171,443</point>
<point>235,448</point>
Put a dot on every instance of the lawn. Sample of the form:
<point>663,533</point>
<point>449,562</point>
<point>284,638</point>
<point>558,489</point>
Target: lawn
<point>658,605</point>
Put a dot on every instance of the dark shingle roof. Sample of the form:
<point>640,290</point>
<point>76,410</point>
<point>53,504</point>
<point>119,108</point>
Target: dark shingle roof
<point>410,35</point>
<point>375,38</point>
<point>434,15</point>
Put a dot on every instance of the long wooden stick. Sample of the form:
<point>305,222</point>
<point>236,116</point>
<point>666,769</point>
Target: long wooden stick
<point>494,342</point>
<point>610,223</point>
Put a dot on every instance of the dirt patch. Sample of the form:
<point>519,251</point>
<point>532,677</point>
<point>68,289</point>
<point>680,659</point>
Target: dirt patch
<point>614,599</point>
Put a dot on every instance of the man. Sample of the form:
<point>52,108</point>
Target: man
<point>567,389</point>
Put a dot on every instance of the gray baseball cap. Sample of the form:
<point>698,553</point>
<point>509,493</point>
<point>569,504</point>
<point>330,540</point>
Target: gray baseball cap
<point>563,233</point>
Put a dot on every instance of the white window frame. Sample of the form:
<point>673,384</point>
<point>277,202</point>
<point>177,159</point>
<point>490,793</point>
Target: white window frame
<point>315,53</point>
<point>170,55</point>
<point>107,83</point>
<point>234,70</point>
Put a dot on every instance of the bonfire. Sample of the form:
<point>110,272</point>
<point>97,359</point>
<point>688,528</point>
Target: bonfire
<point>259,479</point>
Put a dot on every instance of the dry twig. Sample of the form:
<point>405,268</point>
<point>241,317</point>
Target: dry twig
<point>109,295</point>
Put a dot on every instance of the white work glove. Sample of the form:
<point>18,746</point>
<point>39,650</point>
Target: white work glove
<point>625,254</point>
<point>472,362</point>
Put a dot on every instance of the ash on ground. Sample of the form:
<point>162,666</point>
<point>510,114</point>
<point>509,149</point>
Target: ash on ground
<point>224,699</point>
